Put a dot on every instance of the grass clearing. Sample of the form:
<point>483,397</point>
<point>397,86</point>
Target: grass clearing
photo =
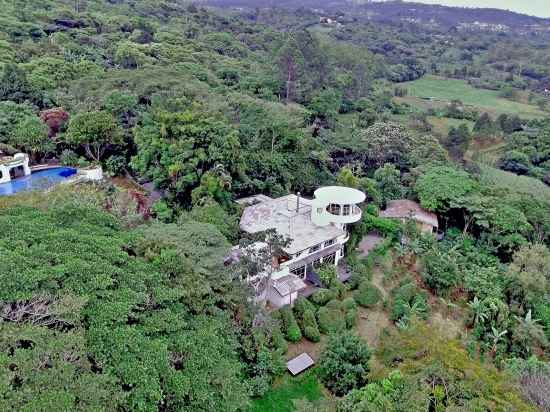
<point>434,89</point>
<point>442,125</point>
<point>520,184</point>
<point>281,396</point>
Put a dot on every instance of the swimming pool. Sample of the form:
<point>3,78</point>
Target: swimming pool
<point>41,180</point>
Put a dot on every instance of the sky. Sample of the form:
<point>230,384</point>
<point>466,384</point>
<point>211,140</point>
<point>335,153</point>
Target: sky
<point>539,8</point>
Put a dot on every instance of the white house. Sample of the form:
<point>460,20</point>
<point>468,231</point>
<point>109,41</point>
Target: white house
<point>18,164</point>
<point>316,229</point>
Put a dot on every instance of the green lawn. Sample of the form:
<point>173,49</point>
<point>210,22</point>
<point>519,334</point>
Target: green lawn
<point>440,89</point>
<point>520,184</point>
<point>280,397</point>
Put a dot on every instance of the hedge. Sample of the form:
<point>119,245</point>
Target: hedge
<point>330,320</point>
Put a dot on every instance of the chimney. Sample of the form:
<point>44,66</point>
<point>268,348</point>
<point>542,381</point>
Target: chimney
<point>298,203</point>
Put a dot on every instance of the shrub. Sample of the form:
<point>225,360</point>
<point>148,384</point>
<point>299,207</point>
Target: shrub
<point>409,300</point>
<point>344,363</point>
<point>69,158</point>
<point>351,318</point>
<point>289,325</point>
<point>348,304</point>
<point>301,306</point>
<point>330,320</point>
<point>322,296</point>
<point>334,305</point>
<point>327,275</point>
<point>367,295</point>
<point>309,326</point>
<point>278,340</point>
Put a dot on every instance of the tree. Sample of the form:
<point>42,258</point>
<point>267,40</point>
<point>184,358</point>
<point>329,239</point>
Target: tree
<point>440,186</point>
<point>388,180</point>
<point>31,134</point>
<point>516,162</point>
<point>344,364</point>
<point>14,86</point>
<point>11,114</point>
<point>181,151</point>
<point>291,65</point>
<point>458,141</point>
<point>485,125</point>
<point>96,131</point>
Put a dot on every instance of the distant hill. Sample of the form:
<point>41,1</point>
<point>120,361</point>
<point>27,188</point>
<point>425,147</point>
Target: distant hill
<point>395,11</point>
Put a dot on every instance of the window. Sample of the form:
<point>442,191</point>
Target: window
<point>315,248</point>
<point>316,263</point>
<point>333,209</point>
<point>329,242</point>
<point>300,272</point>
<point>319,210</point>
<point>330,258</point>
<point>347,210</point>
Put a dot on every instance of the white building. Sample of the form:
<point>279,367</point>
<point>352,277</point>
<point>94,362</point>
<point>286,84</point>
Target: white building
<point>16,165</point>
<point>316,229</point>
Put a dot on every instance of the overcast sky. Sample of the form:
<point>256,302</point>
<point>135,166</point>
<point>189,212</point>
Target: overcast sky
<point>533,7</point>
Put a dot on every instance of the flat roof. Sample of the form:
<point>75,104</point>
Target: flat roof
<point>300,363</point>
<point>289,218</point>
<point>339,195</point>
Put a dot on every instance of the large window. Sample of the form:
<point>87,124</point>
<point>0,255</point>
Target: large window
<point>300,272</point>
<point>330,258</point>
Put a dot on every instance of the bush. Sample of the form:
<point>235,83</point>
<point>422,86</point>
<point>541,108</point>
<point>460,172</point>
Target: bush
<point>309,327</point>
<point>70,158</point>
<point>351,318</point>
<point>289,325</point>
<point>367,295</point>
<point>330,320</point>
<point>312,334</point>
<point>278,340</point>
<point>349,304</point>
<point>322,296</point>
<point>301,306</point>
<point>334,305</point>
<point>409,300</point>
<point>344,363</point>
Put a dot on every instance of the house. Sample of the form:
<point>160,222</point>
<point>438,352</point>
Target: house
<point>317,232</point>
<point>404,210</point>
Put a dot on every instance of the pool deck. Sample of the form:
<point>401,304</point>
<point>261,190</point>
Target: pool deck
<point>38,168</point>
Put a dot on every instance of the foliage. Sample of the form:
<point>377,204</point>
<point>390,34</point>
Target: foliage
<point>323,296</point>
<point>439,186</point>
<point>289,325</point>
<point>129,317</point>
<point>32,135</point>
<point>95,131</point>
<point>344,364</point>
<point>431,362</point>
<point>367,295</point>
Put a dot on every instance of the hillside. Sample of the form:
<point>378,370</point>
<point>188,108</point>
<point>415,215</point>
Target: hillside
<point>174,251</point>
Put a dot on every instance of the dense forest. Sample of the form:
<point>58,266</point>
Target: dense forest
<point>115,296</point>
